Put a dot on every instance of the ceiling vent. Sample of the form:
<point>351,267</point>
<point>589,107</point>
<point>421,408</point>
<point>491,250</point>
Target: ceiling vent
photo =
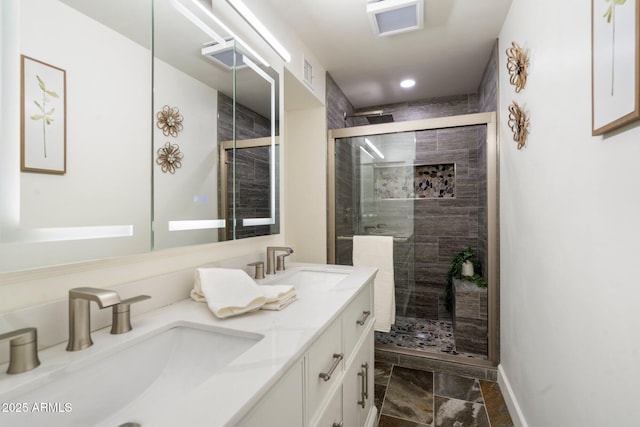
<point>389,17</point>
<point>222,54</point>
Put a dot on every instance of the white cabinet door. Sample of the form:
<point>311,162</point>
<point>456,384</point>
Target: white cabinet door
<point>325,360</point>
<point>356,320</point>
<point>282,406</point>
<point>332,416</point>
<point>358,386</point>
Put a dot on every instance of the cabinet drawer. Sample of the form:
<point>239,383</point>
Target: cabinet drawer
<point>332,415</point>
<point>355,319</point>
<point>282,405</point>
<point>322,361</point>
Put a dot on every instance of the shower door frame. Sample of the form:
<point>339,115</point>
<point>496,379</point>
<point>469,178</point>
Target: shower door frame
<point>493,238</point>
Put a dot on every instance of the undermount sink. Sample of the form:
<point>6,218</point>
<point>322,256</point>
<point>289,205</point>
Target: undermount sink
<point>133,382</point>
<point>314,279</point>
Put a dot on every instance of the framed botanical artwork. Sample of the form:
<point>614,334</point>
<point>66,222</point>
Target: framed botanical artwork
<point>615,63</point>
<point>43,121</point>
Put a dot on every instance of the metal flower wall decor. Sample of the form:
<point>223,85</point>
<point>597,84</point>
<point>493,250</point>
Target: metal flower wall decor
<point>517,64</point>
<point>169,157</point>
<point>519,124</point>
<point>169,121</point>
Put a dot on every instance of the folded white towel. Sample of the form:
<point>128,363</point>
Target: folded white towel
<point>278,296</point>
<point>228,292</point>
<point>377,251</point>
<point>275,293</point>
<point>280,304</point>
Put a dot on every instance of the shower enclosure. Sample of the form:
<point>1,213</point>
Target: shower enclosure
<point>431,185</point>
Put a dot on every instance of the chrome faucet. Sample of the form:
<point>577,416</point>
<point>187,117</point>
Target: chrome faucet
<point>23,355</point>
<point>79,314</point>
<point>271,258</point>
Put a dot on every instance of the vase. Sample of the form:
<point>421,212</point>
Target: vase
<point>467,268</point>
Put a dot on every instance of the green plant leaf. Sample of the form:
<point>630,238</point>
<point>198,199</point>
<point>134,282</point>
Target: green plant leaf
<point>39,106</point>
<point>52,93</point>
<point>50,112</point>
<point>40,83</point>
<point>48,120</point>
<point>37,117</point>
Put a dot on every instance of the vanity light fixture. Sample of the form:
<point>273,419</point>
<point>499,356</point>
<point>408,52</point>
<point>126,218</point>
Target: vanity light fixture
<point>62,234</point>
<point>180,7</point>
<point>374,148</point>
<point>204,224</point>
<point>259,27</point>
<point>407,83</point>
<point>389,17</point>
<point>196,21</point>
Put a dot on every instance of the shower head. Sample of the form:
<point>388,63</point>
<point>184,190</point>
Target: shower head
<point>373,117</point>
<point>380,118</point>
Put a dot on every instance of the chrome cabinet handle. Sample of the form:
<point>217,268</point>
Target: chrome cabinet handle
<point>340,424</point>
<point>337,357</point>
<point>365,315</point>
<point>364,384</point>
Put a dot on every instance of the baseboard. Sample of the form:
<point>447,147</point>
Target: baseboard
<point>510,399</point>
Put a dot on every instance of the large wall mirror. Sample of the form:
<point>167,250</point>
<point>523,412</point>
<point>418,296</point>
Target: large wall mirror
<point>148,103</point>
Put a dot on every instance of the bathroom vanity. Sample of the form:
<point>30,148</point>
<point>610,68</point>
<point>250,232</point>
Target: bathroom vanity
<point>310,364</point>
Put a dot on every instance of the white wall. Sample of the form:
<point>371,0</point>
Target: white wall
<point>569,233</point>
<point>306,183</point>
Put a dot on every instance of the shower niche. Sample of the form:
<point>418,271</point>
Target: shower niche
<point>415,181</point>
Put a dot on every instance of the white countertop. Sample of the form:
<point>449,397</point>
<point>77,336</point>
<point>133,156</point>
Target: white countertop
<point>224,398</point>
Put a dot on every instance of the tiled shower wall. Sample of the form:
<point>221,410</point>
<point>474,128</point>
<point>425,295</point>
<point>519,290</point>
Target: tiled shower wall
<point>252,168</point>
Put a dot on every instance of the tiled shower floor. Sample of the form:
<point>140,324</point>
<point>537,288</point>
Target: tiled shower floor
<point>431,336</point>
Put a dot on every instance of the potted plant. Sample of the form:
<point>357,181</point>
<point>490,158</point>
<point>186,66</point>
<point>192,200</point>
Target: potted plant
<point>465,265</point>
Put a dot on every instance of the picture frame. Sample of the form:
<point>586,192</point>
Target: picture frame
<point>615,64</point>
<point>43,117</point>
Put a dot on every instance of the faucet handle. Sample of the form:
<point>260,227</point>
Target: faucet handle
<point>280,261</point>
<point>23,355</point>
<point>121,322</point>
<point>259,265</point>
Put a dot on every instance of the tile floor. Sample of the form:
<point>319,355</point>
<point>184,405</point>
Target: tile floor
<point>407,397</point>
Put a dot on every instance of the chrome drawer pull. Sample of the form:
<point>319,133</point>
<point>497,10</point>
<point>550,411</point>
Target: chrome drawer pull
<point>364,384</point>
<point>365,315</point>
<point>366,379</point>
<point>337,358</point>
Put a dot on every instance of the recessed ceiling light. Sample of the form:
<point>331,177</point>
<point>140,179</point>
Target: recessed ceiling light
<point>407,83</point>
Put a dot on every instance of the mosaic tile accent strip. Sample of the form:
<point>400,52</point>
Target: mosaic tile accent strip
<point>415,182</point>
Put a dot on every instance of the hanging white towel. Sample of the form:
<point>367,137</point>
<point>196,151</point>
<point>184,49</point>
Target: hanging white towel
<point>377,252</point>
<point>228,292</point>
<point>278,296</point>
